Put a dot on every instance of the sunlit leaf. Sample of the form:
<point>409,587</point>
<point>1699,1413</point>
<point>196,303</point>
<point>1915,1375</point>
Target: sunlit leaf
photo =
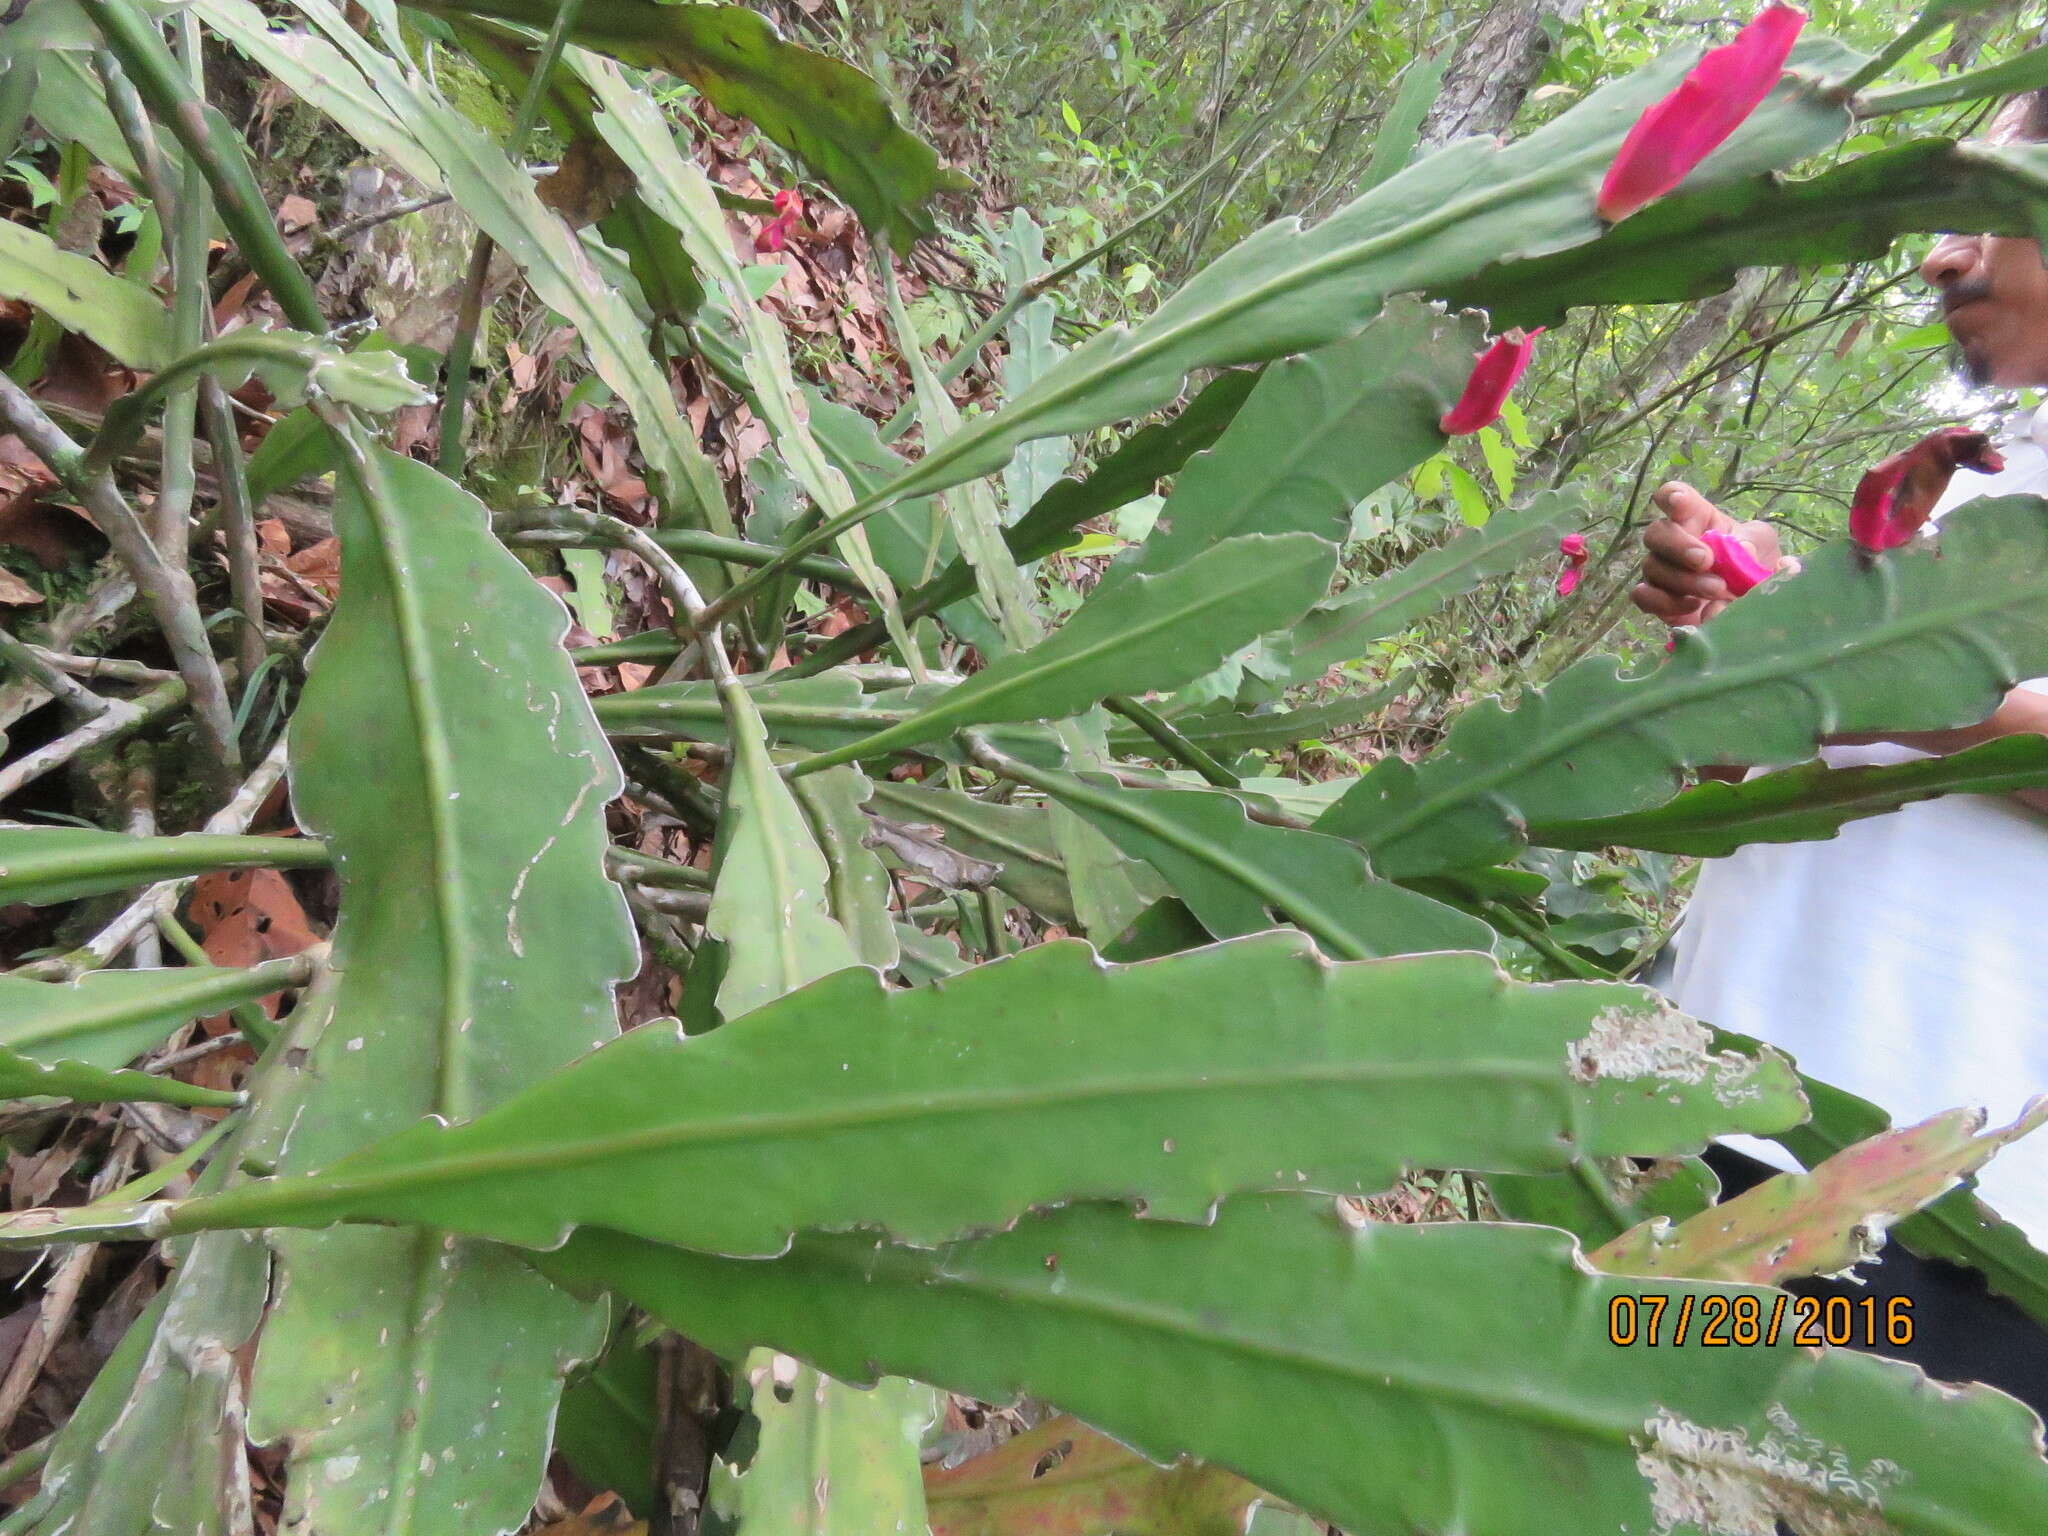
<point>830,115</point>
<point>846,1104</point>
<point>477,948</point>
<point>1388,1421</point>
<point>1918,640</point>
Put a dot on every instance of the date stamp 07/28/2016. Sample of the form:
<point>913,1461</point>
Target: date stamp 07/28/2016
<point>1865,1322</point>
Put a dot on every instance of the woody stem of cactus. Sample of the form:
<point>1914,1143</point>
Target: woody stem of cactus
<point>470,313</point>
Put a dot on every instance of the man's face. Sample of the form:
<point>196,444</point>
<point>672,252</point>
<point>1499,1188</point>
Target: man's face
<point>1994,296</point>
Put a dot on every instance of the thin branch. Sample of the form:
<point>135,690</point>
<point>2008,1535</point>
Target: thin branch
<point>341,234</point>
<point>167,588</point>
<point>694,905</point>
<point>114,668</point>
<point>572,527</point>
<point>27,1462</point>
<point>237,525</point>
<point>234,817</point>
<point>469,315</point>
<point>120,717</point>
<point>191,322</point>
<point>58,683</point>
<point>139,789</point>
<point>139,134</point>
<point>1178,746</point>
<point>627,865</point>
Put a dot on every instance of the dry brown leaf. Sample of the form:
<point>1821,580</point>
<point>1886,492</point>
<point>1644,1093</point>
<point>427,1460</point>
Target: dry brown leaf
<point>234,300</point>
<point>52,534</point>
<point>587,184</point>
<point>246,916</point>
<point>412,426</point>
<point>525,369</point>
<point>15,592</point>
<point>319,564</point>
<point>605,1515</point>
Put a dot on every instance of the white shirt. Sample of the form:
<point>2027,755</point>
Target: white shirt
<point>1905,959</point>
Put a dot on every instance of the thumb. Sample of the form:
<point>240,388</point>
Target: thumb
<point>1687,507</point>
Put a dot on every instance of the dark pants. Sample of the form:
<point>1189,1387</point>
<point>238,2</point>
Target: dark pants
<point>1961,1331</point>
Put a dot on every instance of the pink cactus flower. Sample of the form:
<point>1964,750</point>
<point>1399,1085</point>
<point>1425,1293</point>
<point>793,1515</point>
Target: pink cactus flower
<point>1573,547</point>
<point>1494,373</point>
<point>1736,563</point>
<point>1896,496</point>
<point>1693,121</point>
<point>789,208</point>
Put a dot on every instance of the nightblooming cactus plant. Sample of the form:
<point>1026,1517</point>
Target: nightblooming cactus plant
<point>1029,1047</point>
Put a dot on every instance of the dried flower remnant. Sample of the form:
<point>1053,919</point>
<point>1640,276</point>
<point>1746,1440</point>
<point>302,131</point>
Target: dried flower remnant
<point>1676,134</point>
<point>1897,495</point>
<point>1494,375</point>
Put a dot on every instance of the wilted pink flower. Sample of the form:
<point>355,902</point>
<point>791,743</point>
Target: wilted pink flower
<point>1895,497</point>
<point>788,209</point>
<point>1573,547</point>
<point>1735,562</point>
<point>1494,373</point>
<point>1693,121</point>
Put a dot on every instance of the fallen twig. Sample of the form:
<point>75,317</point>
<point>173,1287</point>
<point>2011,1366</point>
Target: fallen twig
<point>60,1295</point>
<point>167,588</point>
<point>120,717</point>
<point>234,817</point>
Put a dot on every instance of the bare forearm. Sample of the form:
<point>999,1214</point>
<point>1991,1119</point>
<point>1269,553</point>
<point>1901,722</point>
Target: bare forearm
<point>2023,713</point>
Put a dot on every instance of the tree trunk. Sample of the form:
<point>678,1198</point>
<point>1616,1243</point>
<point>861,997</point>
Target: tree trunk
<point>1494,70</point>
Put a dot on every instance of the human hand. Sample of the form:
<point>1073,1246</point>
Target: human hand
<point>1679,585</point>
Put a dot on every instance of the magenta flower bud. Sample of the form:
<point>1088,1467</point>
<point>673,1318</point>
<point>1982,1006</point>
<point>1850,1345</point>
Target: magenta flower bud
<point>1573,547</point>
<point>1680,131</point>
<point>1735,562</point>
<point>788,209</point>
<point>1494,373</point>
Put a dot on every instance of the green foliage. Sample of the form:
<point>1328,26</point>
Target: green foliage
<point>110,1017</point>
<point>41,865</point>
<point>498,940</point>
<point>1803,803</point>
<point>1394,1421</point>
<point>832,117</point>
<point>1144,1191</point>
<point>1852,645</point>
<point>1144,632</point>
<point>861,1446</point>
<point>1235,874</point>
<point>83,296</point>
<point>731,1143</point>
